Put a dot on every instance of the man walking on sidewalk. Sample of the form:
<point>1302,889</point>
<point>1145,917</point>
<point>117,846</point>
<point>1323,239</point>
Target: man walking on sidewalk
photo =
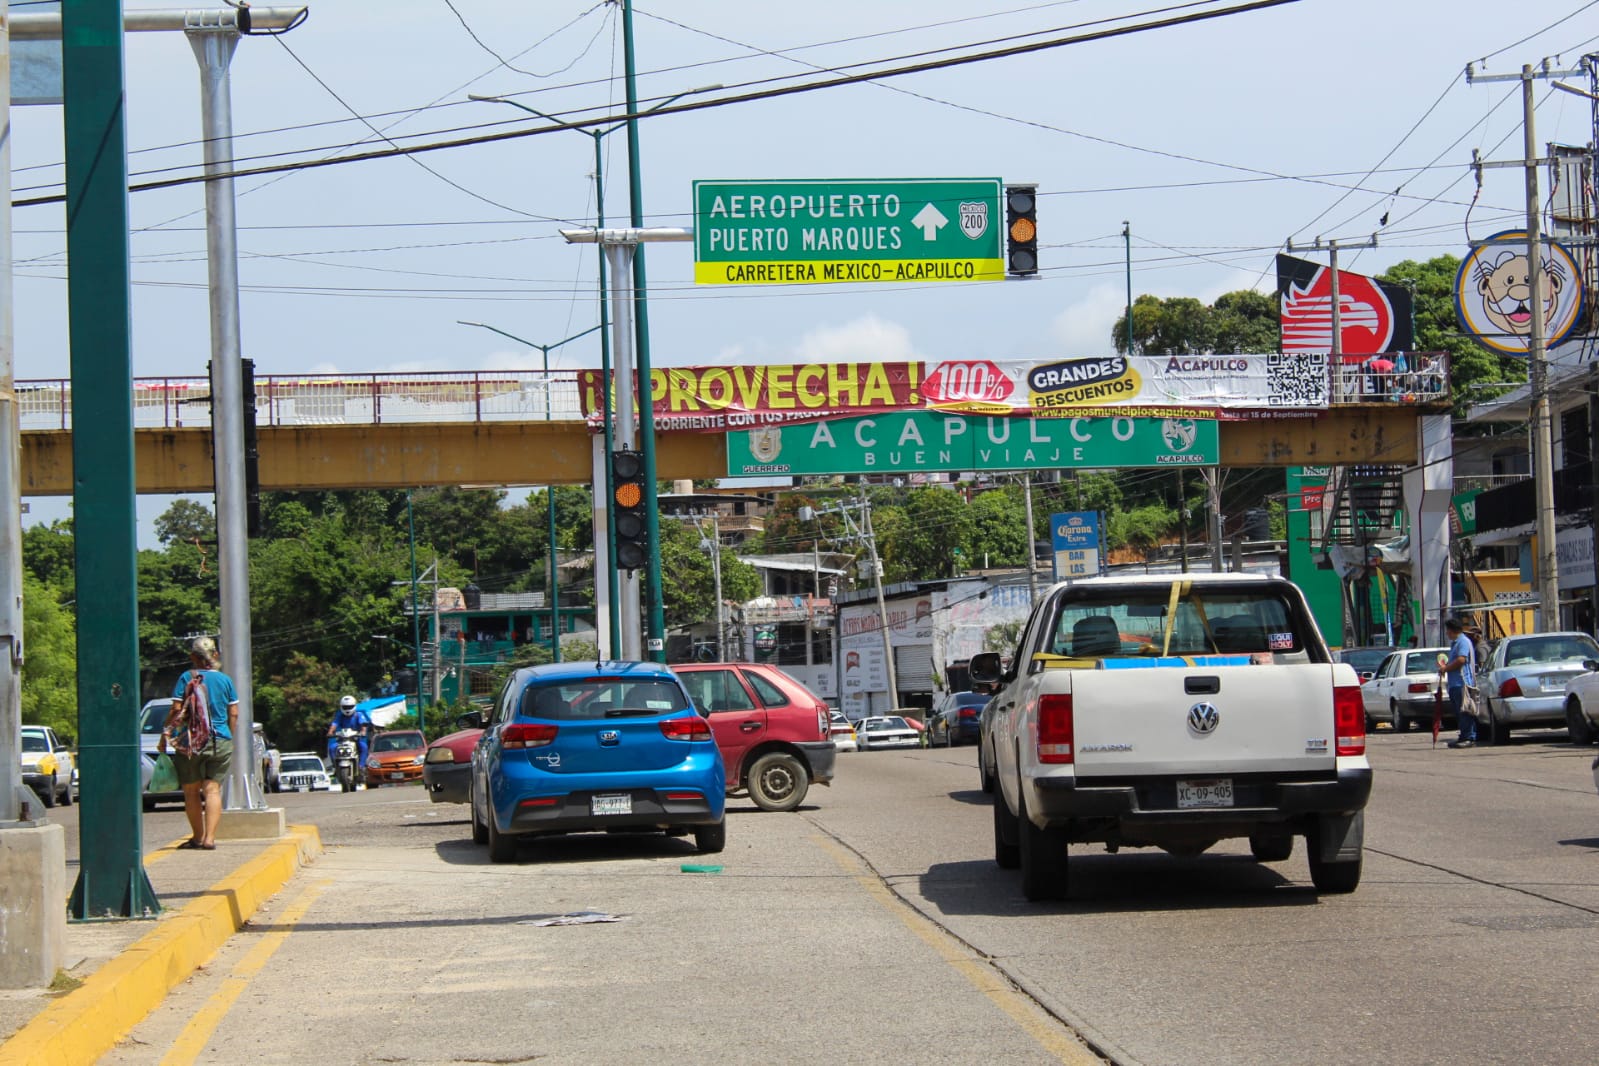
<point>1460,673</point>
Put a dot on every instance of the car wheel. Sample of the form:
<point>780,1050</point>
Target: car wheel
<point>1271,847</point>
<point>1497,728</point>
<point>480,832</point>
<point>1577,724</point>
<point>1007,855</point>
<point>778,782</point>
<point>1333,878</point>
<point>709,839</point>
<point>984,778</point>
<point>502,846</point>
<point>346,779</point>
<point>1398,721</point>
<point>66,794</point>
<point>1044,857</point>
<point>49,796</point>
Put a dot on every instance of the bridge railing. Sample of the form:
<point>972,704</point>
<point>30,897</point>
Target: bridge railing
<point>332,399</point>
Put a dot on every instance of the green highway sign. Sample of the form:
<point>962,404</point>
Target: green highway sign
<point>815,231</point>
<point>911,441</point>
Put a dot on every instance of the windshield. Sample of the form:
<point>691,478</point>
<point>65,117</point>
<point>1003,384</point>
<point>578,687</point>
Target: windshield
<point>1550,649</point>
<point>155,715</point>
<point>874,725</point>
<point>398,742</point>
<point>602,697</point>
<point>301,764</point>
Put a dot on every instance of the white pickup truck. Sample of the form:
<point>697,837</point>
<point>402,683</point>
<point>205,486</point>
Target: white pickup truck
<point>1173,712</point>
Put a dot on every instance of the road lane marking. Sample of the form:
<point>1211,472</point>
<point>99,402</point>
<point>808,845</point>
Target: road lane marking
<point>981,974</point>
<point>190,1044</point>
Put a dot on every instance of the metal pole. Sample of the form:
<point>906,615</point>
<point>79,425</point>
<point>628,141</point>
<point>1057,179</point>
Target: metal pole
<point>213,48</point>
<point>1548,576</point>
<point>1127,240</point>
<point>1213,476</point>
<point>1032,547</point>
<point>111,877</point>
<point>555,567</point>
<point>882,605</point>
<point>607,414</point>
<point>1337,319</point>
<point>1182,513</point>
<point>438,637</point>
<point>622,345</point>
<point>416,616</point>
<point>716,572</point>
<point>646,398</point>
<point>13,793</point>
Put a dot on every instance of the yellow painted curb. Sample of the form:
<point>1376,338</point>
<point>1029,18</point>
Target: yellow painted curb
<point>81,1026</point>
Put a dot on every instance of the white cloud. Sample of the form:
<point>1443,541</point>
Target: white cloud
<point>1084,328</point>
<point>867,338</point>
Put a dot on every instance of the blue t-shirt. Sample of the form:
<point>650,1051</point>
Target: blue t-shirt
<point>219,695</point>
<point>1466,675</point>
<point>354,720</point>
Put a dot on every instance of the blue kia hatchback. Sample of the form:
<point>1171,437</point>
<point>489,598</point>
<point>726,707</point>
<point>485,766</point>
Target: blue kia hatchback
<point>591,746</point>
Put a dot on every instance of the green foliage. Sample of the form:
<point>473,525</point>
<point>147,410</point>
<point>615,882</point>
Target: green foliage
<point>187,521</point>
<point>1003,637</point>
<point>1243,321</point>
<point>297,705</point>
<point>1140,528</point>
<point>1471,366</point>
<point>999,533</point>
<point>49,669</point>
<point>688,583</point>
<point>927,536</point>
<point>47,554</point>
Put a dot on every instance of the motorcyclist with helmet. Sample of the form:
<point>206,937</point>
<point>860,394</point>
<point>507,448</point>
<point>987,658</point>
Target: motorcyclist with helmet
<point>349,716</point>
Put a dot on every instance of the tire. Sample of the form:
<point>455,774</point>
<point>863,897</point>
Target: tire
<point>1007,854</point>
<point>1331,878</point>
<point>1045,863</point>
<point>1400,723</point>
<point>1496,731</point>
<point>480,832</point>
<point>67,796</point>
<point>502,846</point>
<point>710,839</point>
<point>778,781</point>
<point>346,778</point>
<point>1271,847</point>
<point>1577,724</point>
<point>985,779</point>
<point>49,796</point>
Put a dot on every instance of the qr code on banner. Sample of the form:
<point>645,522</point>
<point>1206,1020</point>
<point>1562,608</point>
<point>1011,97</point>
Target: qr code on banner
<point>1296,379</point>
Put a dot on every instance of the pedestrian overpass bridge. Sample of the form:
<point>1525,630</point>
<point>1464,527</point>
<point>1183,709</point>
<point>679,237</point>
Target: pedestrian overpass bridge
<point>390,431</point>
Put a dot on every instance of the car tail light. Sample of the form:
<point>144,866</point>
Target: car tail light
<point>1055,728</point>
<point>1509,687</point>
<point>521,736</point>
<point>686,729</point>
<point>821,720</point>
<point>1349,720</point>
<point>968,712</point>
<point>1420,686</point>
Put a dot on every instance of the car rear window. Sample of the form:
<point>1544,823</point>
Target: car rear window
<point>1549,650</point>
<point>769,693</point>
<point>602,697</point>
<point>1147,621</point>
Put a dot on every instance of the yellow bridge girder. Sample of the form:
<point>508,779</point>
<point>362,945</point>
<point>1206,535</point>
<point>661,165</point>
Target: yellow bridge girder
<point>412,454</point>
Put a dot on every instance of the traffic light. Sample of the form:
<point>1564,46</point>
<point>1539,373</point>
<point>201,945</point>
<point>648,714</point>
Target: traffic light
<point>627,492</point>
<point>1021,230</point>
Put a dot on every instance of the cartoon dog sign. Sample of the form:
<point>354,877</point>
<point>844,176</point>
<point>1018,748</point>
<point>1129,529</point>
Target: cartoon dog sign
<point>1493,293</point>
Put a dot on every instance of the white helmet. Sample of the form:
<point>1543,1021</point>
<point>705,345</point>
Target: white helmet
<point>346,703</point>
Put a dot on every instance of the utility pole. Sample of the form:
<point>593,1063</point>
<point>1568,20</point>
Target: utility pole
<point>716,575</point>
<point>1547,576</point>
<point>1182,513</point>
<point>864,533</point>
<point>1032,548</point>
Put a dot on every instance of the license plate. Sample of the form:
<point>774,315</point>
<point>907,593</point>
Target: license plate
<point>611,804</point>
<point>1206,792</point>
<point>396,777</point>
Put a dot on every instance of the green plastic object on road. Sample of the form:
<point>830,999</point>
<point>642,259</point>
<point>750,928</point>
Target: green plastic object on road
<point>699,868</point>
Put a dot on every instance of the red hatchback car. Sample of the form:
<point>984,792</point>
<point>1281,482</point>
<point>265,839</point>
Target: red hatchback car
<point>773,731</point>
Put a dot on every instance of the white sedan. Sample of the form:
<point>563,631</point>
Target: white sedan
<point>887,731</point>
<point>842,733</point>
<point>1404,689</point>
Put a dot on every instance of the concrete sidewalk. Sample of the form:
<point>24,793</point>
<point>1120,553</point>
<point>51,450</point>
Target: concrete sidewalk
<point>125,968</point>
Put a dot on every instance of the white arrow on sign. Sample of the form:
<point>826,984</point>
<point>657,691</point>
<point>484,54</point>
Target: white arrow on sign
<point>930,220</point>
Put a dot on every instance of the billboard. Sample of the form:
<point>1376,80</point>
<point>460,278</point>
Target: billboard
<point>1491,293</point>
<point>1373,316</point>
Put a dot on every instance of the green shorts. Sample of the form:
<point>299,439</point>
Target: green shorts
<point>210,765</point>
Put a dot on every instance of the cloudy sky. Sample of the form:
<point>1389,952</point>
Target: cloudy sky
<point>1216,141</point>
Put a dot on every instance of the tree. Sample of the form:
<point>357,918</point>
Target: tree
<point>1471,366</point>
<point>1246,321</point>
<point>1242,321</point>
<point>47,554</point>
<point>999,533</point>
<point>297,704</point>
<point>928,536</point>
<point>50,669</point>
<point>186,521</point>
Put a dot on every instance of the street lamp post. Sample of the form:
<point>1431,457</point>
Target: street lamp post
<point>549,490</point>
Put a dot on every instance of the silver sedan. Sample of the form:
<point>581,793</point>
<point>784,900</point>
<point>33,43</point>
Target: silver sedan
<point>1526,677</point>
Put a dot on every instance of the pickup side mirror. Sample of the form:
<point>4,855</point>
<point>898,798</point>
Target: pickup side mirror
<point>985,668</point>
<point>1590,664</point>
<point>469,720</point>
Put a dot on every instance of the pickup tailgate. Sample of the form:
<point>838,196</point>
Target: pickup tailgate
<point>1159,720</point>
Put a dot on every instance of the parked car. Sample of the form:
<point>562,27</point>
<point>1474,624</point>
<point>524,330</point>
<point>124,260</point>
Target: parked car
<point>887,731</point>
<point>956,718</point>
<point>395,758</point>
<point>1403,691</point>
<point>580,747</point>
<point>773,732</point>
<point>447,766</point>
<point>1582,704</point>
<point>48,766</point>
<point>1365,659</point>
<point>303,771</point>
<point>1525,682</point>
<point>842,731</point>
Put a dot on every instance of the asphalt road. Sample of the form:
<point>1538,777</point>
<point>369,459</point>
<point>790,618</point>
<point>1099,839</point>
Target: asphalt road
<point>873,926</point>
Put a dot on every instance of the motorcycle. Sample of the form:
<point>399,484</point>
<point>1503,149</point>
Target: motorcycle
<point>347,758</point>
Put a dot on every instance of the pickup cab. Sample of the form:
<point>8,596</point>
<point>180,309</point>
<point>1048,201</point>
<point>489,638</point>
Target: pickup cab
<point>1174,712</point>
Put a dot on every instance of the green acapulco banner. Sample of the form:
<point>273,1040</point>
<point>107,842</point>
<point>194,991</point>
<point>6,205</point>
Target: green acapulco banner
<point>913,441</point>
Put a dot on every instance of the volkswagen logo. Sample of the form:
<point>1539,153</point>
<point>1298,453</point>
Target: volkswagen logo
<point>1203,718</point>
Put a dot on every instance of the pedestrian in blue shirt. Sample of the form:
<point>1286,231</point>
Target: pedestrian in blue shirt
<point>201,768</point>
<point>1458,669</point>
